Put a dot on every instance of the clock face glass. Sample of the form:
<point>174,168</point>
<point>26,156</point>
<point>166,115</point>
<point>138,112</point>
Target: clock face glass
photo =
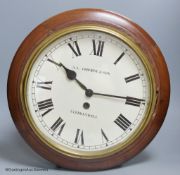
<point>88,91</point>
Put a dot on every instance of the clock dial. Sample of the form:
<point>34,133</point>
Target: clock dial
<point>88,91</point>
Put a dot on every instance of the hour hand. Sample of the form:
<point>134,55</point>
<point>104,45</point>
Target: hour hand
<point>81,84</point>
<point>71,75</point>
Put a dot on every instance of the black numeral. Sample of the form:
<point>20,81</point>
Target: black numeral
<point>46,106</point>
<point>58,123</point>
<point>119,58</point>
<point>122,122</point>
<point>45,85</point>
<point>75,48</point>
<point>104,137</point>
<point>79,137</point>
<point>98,48</point>
<point>132,78</point>
<point>134,101</point>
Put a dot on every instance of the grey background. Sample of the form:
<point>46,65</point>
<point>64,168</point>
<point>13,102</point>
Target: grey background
<point>161,18</point>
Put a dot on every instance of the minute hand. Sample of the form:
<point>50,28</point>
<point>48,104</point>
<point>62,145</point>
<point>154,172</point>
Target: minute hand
<point>116,96</point>
<point>108,95</point>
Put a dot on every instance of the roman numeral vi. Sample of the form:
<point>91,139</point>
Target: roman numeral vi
<point>79,137</point>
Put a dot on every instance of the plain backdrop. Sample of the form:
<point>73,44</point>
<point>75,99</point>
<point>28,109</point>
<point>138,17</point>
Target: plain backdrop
<point>160,18</point>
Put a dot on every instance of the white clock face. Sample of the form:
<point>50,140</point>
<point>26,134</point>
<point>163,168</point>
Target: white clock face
<point>88,91</point>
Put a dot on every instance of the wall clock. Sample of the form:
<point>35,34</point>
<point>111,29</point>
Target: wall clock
<point>88,89</point>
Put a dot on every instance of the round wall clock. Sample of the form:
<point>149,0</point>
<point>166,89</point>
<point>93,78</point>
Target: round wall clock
<point>88,89</point>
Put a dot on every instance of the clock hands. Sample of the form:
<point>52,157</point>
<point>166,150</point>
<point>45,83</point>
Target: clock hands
<point>71,75</point>
<point>81,85</point>
<point>57,64</point>
<point>108,95</point>
<point>129,100</point>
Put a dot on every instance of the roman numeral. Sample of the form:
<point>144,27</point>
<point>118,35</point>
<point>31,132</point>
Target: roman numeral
<point>104,137</point>
<point>98,48</point>
<point>75,48</point>
<point>79,137</point>
<point>132,78</point>
<point>119,58</point>
<point>58,123</point>
<point>46,106</point>
<point>122,122</point>
<point>45,85</point>
<point>134,101</point>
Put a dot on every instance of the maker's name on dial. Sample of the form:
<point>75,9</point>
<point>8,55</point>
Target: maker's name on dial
<point>91,70</point>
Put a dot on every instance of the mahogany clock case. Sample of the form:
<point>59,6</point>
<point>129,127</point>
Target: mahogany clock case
<point>102,18</point>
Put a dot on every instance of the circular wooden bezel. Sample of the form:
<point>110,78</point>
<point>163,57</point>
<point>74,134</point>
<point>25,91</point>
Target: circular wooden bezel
<point>93,17</point>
